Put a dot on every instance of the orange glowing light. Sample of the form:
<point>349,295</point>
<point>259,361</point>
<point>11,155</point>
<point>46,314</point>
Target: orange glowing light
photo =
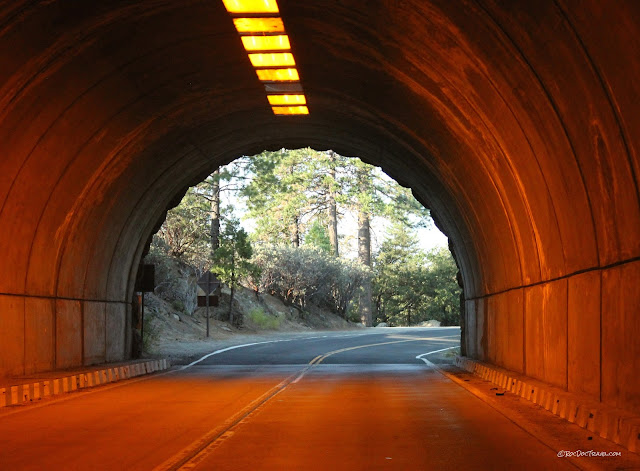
<point>290,110</point>
<point>259,25</point>
<point>269,49</point>
<point>287,99</point>
<point>277,75</point>
<point>251,6</point>
<point>266,43</point>
<point>276,59</point>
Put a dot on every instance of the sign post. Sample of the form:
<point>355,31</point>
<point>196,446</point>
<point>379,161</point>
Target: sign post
<point>145,282</point>
<point>208,283</point>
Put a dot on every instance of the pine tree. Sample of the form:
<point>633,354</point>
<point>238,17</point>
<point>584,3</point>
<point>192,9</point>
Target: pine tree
<point>232,258</point>
<point>317,237</point>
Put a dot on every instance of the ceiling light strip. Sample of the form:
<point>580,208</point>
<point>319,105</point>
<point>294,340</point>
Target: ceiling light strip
<point>268,47</point>
<point>289,110</point>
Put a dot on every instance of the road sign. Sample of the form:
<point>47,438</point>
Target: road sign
<point>208,283</point>
<point>145,281</point>
<point>214,301</point>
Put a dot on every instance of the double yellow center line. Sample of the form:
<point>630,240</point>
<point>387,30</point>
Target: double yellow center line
<point>320,358</point>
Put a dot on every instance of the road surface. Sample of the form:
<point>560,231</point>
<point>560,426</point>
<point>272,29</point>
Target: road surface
<point>357,400</point>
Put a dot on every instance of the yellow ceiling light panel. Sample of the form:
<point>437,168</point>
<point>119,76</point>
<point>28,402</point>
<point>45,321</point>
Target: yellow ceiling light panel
<point>268,46</point>
<point>251,6</point>
<point>290,110</point>
<point>266,43</point>
<point>278,75</point>
<point>275,59</point>
<point>287,99</point>
<point>259,25</point>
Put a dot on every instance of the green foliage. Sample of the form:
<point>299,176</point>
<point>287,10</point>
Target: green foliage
<point>306,274</point>
<point>276,194</point>
<point>151,333</point>
<point>368,189</point>
<point>294,196</point>
<point>410,286</point>
<point>444,303</point>
<point>231,261</point>
<point>184,235</point>
<point>178,305</point>
<point>290,190</point>
<point>317,237</point>
<point>262,320</point>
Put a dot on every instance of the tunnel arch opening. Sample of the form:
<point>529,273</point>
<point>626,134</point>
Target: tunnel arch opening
<point>293,193</point>
<point>512,122</point>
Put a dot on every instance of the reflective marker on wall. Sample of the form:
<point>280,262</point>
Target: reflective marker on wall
<point>268,47</point>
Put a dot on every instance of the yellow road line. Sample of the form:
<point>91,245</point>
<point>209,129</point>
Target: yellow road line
<point>321,358</point>
<point>191,456</point>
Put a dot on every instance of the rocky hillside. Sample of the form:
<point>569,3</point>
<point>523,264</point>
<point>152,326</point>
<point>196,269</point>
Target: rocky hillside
<point>167,322</point>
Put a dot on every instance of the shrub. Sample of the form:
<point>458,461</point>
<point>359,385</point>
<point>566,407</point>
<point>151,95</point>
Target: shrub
<point>300,275</point>
<point>260,319</point>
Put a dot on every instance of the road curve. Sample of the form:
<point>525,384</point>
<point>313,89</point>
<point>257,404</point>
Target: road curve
<point>359,400</point>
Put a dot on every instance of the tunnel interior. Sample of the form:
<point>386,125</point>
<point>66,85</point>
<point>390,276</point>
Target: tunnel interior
<point>512,121</point>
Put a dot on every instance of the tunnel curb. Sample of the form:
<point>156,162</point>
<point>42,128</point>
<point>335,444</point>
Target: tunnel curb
<point>617,425</point>
<point>33,391</point>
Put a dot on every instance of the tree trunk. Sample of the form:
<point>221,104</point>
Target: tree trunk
<point>232,286</point>
<point>409,316</point>
<point>333,207</point>
<point>295,232</point>
<point>364,255</point>
<point>233,292</point>
<point>215,212</point>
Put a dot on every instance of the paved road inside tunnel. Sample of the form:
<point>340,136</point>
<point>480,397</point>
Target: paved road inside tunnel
<point>340,401</point>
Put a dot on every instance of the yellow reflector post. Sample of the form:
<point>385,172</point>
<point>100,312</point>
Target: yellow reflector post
<point>266,43</point>
<point>275,59</point>
<point>277,75</point>
<point>251,6</point>
<point>289,110</point>
<point>259,25</point>
<point>287,99</point>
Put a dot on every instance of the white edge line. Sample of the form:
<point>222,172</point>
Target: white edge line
<point>255,343</point>
<point>419,357</point>
<point>222,350</point>
<point>226,350</point>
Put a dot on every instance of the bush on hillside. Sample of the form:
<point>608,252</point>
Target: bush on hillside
<point>303,275</point>
<point>263,320</point>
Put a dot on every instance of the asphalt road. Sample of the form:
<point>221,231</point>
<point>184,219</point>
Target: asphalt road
<point>334,401</point>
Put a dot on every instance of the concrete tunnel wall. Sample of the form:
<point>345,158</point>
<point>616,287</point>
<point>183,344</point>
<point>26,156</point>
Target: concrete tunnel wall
<point>516,122</point>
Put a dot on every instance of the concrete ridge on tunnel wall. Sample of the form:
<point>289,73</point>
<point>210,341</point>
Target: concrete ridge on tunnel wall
<point>617,425</point>
<point>27,391</point>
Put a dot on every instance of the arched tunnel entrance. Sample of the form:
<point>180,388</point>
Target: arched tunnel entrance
<point>512,121</point>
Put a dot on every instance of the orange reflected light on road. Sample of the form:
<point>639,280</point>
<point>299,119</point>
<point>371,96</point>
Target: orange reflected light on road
<point>251,6</point>
<point>264,38</point>
<point>266,43</point>
<point>287,99</point>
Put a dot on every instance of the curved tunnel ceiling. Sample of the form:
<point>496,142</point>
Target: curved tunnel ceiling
<point>512,121</point>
